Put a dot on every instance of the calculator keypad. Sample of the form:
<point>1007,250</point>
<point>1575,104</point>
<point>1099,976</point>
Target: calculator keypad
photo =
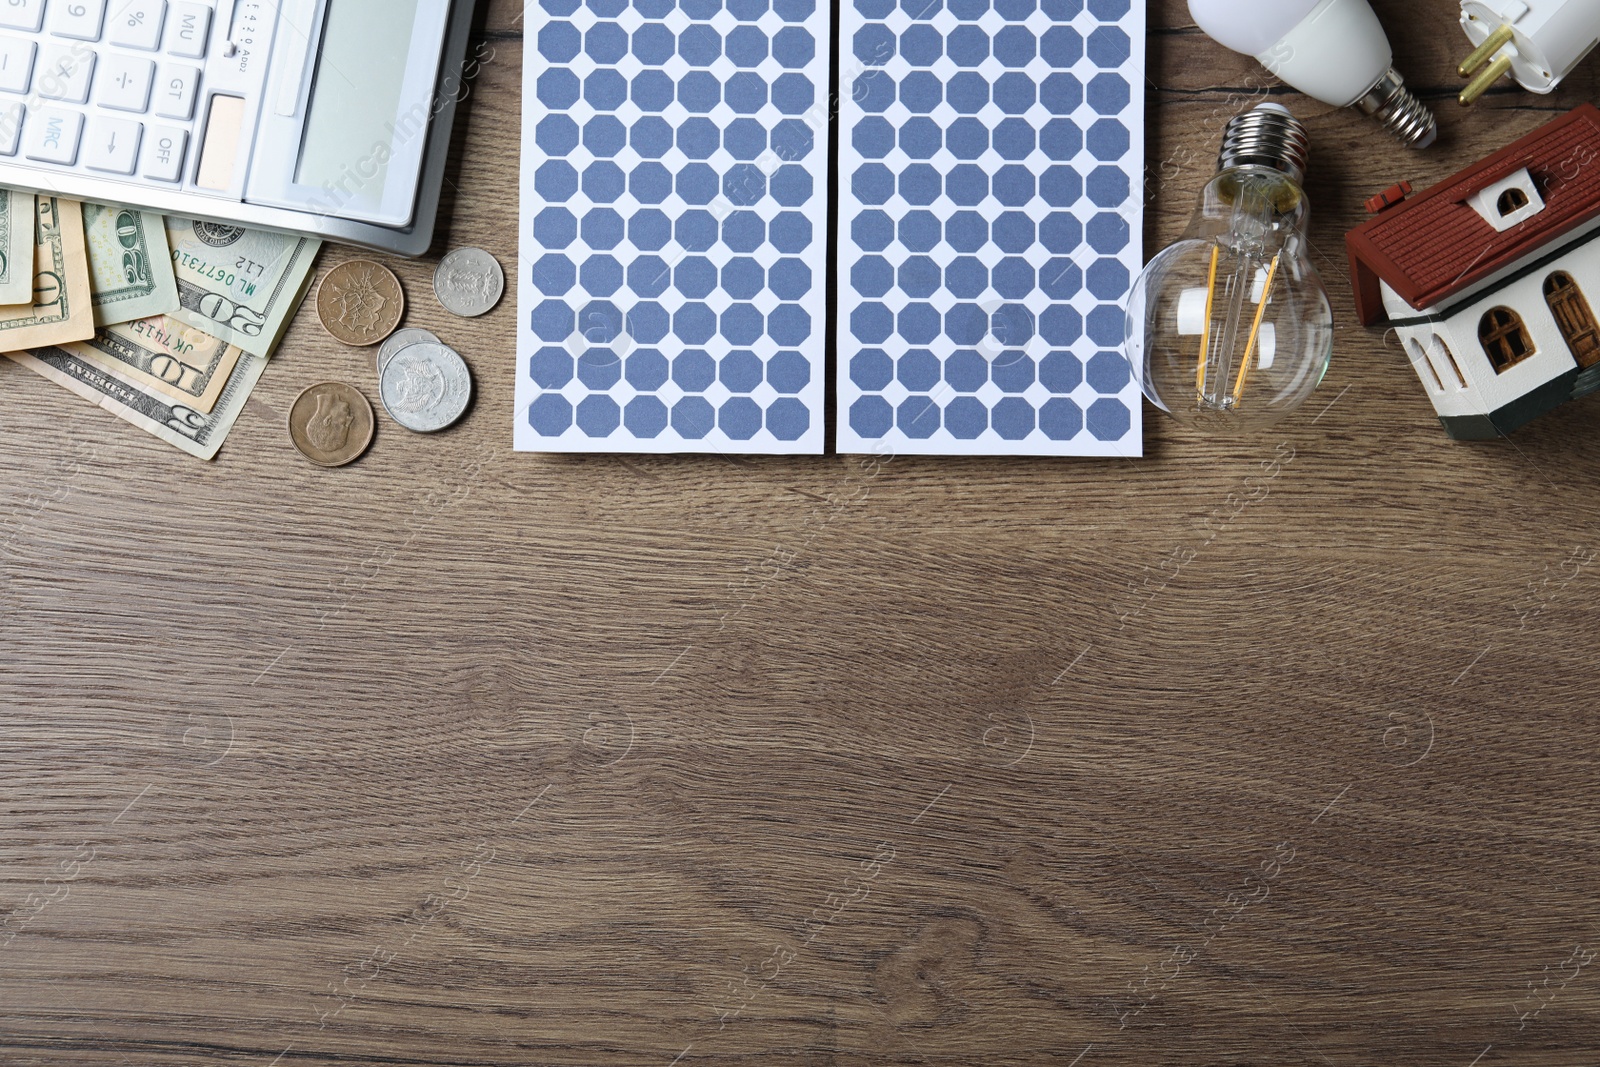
<point>111,86</point>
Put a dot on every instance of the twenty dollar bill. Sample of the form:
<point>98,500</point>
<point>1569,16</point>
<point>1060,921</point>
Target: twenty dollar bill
<point>60,310</point>
<point>237,284</point>
<point>130,265</point>
<point>166,355</point>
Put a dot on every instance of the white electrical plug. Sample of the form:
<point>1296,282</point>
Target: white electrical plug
<point>1537,42</point>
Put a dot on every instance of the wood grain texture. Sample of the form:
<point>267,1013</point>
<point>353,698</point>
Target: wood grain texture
<point>1274,750</point>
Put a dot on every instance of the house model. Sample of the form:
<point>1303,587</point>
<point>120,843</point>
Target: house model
<point>1491,278</point>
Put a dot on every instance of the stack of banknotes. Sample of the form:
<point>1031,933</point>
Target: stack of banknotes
<point>165,322</point>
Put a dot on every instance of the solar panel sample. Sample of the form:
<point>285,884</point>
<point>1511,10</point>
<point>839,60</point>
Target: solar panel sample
<point>991,202</point>
<point>674,226</point>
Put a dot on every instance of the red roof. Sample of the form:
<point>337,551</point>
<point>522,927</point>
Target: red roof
<point>1434,245</point>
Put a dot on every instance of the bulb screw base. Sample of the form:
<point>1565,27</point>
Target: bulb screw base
<point>1266,136</point>
<point>1401,113</point>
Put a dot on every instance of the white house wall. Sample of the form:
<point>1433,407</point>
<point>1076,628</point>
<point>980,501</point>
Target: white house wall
<point>1486,391</point>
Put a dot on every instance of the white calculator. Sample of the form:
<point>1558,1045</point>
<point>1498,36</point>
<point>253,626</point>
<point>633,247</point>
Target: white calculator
<point>324,117</point>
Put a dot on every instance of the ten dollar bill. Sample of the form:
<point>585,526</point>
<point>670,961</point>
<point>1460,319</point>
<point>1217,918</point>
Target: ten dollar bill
<point>60,311</point>
<point>166,355</point>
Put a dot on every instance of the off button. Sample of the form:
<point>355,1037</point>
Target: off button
<point>161,158</point>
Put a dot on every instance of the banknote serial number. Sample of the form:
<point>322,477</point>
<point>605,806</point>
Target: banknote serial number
<point>211,272</point>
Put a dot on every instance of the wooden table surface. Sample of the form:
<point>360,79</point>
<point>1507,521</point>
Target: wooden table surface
<point>1273,750</point>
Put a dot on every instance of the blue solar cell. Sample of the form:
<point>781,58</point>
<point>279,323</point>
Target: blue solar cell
<point>550,414</point>
<point>693,417</point>
<point>788,419</point>
<point>602,227</point>
<point>645,416</point>
<point>741,371</point>
<point>1108,420</point>
<point>746,94</point>
<point>788,372</point>
<point>598,415</point>
<point>918,417</point>
<point>747,46</point>
<point>1060,418</point>
<point>740,418</point>
<point>599,368</point>
<point>605,42</point>
<point>551,367</point>
<point>1108,372</point>
<point>653,44</point>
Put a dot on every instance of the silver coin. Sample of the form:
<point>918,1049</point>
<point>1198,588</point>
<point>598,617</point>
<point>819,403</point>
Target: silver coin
<point>402,339</point>
<point>425,387</point>
<point>469,282</point>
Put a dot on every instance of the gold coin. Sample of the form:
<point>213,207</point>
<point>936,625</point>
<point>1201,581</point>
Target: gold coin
<point>360,302</point>
<point>331,424</point>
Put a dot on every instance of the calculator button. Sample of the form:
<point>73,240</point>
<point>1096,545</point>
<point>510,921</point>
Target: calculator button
<point>78,19</point>
<point>124,83</point>
<point>10,129</point>
<point>137,23</point>
<point>22,15</point>
<point>53,135</point>
<point>175,91</point>
<point>162,158</point>
<point>65,73</point>
<point>112,145</point>
<point>187,32</point>
<point>16,64</point>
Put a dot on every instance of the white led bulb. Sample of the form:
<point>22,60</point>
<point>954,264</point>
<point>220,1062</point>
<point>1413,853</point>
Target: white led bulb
<point>1333,50</point>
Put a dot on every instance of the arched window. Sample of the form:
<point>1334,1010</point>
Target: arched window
<point>1504,338</point>
<point>1442,354</point>
<point>1512,201</point>
<point>1574,316</point>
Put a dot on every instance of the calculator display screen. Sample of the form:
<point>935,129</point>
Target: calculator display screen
<point>354,121</point>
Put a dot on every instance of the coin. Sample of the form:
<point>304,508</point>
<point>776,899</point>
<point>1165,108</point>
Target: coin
<point>401,339</point>
<point>331,424</point>
<point>360,302</point>
<point>425,387</point>
<point>469,282</point>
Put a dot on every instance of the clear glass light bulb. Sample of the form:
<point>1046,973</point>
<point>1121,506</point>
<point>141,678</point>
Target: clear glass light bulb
<point>1230,326</point>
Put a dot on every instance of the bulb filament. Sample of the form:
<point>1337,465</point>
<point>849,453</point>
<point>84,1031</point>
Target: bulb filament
<point>1255,331</point>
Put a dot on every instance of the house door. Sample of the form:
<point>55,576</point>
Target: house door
<point>1574,316</point>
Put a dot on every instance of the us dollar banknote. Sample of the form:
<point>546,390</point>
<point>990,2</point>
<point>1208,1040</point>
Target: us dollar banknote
<point>130,265</point>
<point>60,310</point>
<point>16,247</point>
<point>196,432</point>
<point>237,284</point>
<point>164,354</point>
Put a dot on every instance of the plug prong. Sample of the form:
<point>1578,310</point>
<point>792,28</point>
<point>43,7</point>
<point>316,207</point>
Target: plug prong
<point>1480,85</point>
<point>1482,54</point>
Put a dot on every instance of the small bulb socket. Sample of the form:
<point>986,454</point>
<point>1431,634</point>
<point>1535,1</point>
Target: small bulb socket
<point>1266,136</point>
<point>1399,112</point>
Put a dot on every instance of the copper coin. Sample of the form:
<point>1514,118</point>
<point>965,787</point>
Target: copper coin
<point>360,302</point>
<point>331,424</point>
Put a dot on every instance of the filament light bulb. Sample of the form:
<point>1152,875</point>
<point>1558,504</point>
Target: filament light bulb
<point>1231,326</point>
<point>1333,50</point>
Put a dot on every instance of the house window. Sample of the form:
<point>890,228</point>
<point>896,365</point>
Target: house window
<point>1574,317</point>
<point>1504,338</point>
<point>1512,201</point>
<point>1441,351</point>
<point>1425,368</point>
